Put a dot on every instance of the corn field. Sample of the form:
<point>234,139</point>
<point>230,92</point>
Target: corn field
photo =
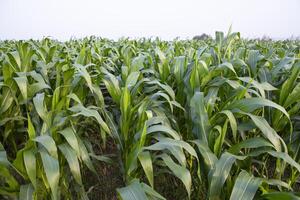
<point>184,119</point>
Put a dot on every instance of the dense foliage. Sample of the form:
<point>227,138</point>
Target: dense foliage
<point>220,115</point>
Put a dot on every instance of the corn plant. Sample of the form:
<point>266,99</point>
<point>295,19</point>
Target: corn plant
<point>220,116</point>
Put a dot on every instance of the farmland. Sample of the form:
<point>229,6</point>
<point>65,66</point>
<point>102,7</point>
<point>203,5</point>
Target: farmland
<point>184,119</point>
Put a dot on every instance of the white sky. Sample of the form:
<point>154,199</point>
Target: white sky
<point>61,19</point>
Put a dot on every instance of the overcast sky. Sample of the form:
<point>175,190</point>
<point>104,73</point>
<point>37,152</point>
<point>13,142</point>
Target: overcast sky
<point>62,19</point>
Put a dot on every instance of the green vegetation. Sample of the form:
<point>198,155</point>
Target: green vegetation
<point>205,119</point>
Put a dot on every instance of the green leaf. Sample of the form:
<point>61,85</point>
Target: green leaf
<point>179,171</point>
<point>288,85</point>
<point>55,98</point>
<point>250,104</point>
<point>71,138</point>
<point>253,58</point>
<point>278,183</point>
<point>125,101</point>
<point>284,156</point>
<point>219,174</point>
<point>262,87</point>
<point>163,95</point>
<point>151,192</point>
<point>165,143</point>
<point>26,192</point>
<point>201,125</point>
<point>209,157</point>
<point>48,143</point>
<point>84,155</point>
<point>112,85</point>
<point>255,142</point>
<point>38,101</point>
<point>30,128</point>
<point>51,167</point>
<point>221,138</point>
<point>102,158</point>
<point>81,56</point>
<point>134,191</point>
<point>132,79</point>
<point>164,129</point>
<point>79,109</point>
<point>293,97</point>
<point>146,162</point>
<point>30,165</point>
<point>82,71</point>
<point>71,157</point>
<point>232,121</point>
<point>22,84</point>
<point>268,132</point>
<point>3,156</point>
<point>245,187</point>
<point>280,196</point>
<point>228,66</point>
<point>167,88</point>
<point>74,97</point>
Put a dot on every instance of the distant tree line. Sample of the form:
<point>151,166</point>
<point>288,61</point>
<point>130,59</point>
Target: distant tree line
<point>203,36</point>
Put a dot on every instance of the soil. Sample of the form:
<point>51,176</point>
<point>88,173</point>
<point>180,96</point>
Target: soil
<point>110,177</point>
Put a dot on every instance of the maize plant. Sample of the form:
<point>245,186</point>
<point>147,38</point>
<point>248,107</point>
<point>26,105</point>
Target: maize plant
<point>207,119</point>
